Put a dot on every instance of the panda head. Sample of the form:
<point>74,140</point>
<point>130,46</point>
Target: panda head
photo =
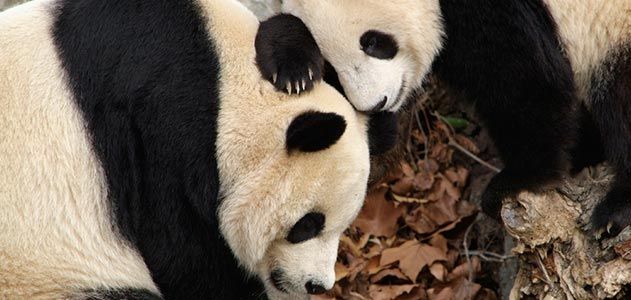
<point>294,190</point>
<point>381,50</point>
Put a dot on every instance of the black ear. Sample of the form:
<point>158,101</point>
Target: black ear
<point>314,131</point>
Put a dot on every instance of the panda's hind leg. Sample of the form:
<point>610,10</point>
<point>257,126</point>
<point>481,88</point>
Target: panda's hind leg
<point>287,54</point>
<point>611,108</point>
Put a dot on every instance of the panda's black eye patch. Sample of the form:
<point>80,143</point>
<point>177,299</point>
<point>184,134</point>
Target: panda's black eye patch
<point>378,44</point>
<point>306,228</point>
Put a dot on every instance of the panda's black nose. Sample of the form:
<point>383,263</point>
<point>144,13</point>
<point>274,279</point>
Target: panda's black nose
<point>314,288</point>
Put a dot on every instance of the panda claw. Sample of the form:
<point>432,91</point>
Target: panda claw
<point>289,87</point>
<point>304,85</point>
<point>298,88</point>
<point>274,77</point>
<point>310,74</point>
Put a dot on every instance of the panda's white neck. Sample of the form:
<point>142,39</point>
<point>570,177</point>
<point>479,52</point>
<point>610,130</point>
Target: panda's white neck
<point>589,29</point>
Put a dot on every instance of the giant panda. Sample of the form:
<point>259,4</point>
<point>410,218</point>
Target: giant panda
<point>551,79</point>
<point>143,156</point>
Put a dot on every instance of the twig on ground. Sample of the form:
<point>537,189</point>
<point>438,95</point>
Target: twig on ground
<point>455,144</point>
<point>490,256</point>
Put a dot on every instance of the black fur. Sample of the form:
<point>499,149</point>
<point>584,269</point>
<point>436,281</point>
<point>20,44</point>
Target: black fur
<point>314,131</point>
<point>382,132</point>
<point>589,150</point>
<point>505,56</point>
<point>378,44</point>
<point>119,294</point>
<point>306,228</point>
<point>611,98</point>
<point>286,48</point>
<point>144,74</point>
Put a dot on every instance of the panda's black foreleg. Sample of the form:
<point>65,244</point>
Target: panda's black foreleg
<point>534,134</point>
<point>287,54</point>
<point>611,108</point>
<point>588,150</point>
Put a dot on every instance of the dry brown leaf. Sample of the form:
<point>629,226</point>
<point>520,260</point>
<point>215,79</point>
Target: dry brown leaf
<point>403,186</point>
<point>322,297</point>
<point>464,289</point>
<point>443,187</point>
<point>356,265</point>
<point>417,293</point>
<point>374,250</point>
<point>438,270</point>
<point>378,216</point>
<point>463,269</point>
<point>429,166</point>
<point>406,169</point>
<point>405,183</point>
<point>442,294</point>
<point>373,266</point>
<point>348,244</point>
<point>439,242</point>
<point>412,257</point>
<point>395,272</point>
<point>424,181</point>
<point>452,258</point>
<point>429,217</point>
<point>458,176</point>
<point>441,153</point>
<point>382,292</point>
<point>341,271</point>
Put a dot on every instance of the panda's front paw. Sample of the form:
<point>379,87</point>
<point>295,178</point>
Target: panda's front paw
<point>501,186</point>
<point>613,214</point>
<point>287,54</point>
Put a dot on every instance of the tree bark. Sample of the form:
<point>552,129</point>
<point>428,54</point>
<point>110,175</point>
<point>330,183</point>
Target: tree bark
<point>560,256</point>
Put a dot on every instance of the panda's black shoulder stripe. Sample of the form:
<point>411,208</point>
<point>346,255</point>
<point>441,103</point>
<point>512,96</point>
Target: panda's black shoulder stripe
<point>144,74</point>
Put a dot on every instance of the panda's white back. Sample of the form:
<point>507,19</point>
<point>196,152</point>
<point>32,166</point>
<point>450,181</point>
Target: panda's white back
<point>55,231</point>
<point>589,31</point>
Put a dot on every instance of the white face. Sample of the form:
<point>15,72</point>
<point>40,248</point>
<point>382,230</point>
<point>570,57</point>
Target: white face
<point>381,49</point>
<point>282,213</point>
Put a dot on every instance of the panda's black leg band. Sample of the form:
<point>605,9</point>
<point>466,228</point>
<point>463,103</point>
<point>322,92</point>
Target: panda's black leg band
<point>611,108</point>
<point>614,212</point>
<point>534,143</point>
<point>588,150</point>
<point>508,183</point>
<point>287,54</point>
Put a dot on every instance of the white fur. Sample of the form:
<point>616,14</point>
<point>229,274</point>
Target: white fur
<point>56,236</point>
<point>338,25</point>
<point>589,30</point>
<point>265,190</point>
<point>55,231</point>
